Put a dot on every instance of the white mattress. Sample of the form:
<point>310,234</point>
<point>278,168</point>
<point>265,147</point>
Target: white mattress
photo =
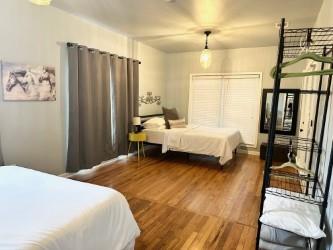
<point>155,136</point>
<point>42,211</point>
<point>218,142</point>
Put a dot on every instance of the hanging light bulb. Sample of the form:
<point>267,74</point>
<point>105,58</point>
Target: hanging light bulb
<point>206,54</point>
<point>41,2</point>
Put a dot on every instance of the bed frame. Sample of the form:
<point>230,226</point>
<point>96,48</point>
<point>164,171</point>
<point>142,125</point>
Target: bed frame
<point>188,155</point>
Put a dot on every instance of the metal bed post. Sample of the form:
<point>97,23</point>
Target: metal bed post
<point>272,128</point>
<point>326,193</point>
<point>315,122</point>
<point>322,132</point>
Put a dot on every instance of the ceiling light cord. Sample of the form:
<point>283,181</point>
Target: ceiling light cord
<point>207,33</point>
<point>206,54</point>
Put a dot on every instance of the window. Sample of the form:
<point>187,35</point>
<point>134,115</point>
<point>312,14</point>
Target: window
<point>227,100</point>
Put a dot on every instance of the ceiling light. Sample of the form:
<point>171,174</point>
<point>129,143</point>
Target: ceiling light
<point>41,2</point>
<point>206,54</point>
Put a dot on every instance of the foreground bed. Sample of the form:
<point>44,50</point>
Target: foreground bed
<point>217,142</point>
<point>42,211</point>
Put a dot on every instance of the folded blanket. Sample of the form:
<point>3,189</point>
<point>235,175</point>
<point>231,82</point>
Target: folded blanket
<point>279,236</point>
<point>264,245</point>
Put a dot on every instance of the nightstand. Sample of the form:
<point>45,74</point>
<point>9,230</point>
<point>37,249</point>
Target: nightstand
<point>139,138</point>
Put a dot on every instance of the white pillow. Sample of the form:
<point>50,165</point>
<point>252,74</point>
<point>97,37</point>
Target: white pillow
<point>180,123</point>
<point>156,120</point>
<point>291,215</point>
<point>153,126</point>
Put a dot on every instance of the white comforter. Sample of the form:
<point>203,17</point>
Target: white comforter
<point>218,142</point>
<point>41,211</point>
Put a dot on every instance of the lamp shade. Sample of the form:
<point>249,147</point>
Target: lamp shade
<point>136,121</point>
<point>206,58</point>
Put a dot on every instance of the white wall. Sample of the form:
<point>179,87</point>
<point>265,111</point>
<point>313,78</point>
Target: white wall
<point>153,77</point>
<point>181,65</point>
<point>325,19</point>
<point>33,133</point>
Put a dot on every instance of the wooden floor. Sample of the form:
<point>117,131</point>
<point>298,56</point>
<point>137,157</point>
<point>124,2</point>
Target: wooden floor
<point>182,203</point>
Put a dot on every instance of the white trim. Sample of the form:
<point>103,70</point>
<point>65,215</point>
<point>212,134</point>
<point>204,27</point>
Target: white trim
<point>228,75</point>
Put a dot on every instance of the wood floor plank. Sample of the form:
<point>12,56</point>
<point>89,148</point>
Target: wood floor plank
<point>188,204</point>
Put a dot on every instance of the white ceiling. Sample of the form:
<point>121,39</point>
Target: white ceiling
<point>178,25</point>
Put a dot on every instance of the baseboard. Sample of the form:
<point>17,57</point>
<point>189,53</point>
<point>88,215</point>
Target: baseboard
<point>248,152</point>
<point>85,174</point>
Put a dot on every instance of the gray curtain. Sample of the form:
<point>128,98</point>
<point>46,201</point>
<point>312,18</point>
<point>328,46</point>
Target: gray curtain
<point>103,98</point>
<point>89,135</point>
<point>125,96</point>
<point>2,162</point>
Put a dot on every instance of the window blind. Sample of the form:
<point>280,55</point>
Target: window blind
<point>205,100</point>
<point>227,101</point>
<point>241,101</point>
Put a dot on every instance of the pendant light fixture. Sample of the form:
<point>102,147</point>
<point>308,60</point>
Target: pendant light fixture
<point>41,2</point>
<point>206,54</point>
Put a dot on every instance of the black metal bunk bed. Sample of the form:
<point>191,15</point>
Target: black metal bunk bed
<point>320,42</point>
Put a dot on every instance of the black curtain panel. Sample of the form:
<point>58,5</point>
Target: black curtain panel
<point>103,98</point>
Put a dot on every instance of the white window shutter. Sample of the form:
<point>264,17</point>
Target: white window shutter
<point>227,101</point>
<point>241,107</point>
<point>205,101</point>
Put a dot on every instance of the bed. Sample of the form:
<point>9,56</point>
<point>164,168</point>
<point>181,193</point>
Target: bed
<point>42,211</point>
<point>217,142</point>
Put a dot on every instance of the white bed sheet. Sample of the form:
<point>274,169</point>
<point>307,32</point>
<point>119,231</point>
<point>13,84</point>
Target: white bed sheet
<point>155,136</point>
<point>42,211</point>
<point>218,142</point>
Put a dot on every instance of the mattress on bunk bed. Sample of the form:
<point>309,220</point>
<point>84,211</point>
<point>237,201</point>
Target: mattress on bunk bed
<point>292,215</point>
<point>282,237</point>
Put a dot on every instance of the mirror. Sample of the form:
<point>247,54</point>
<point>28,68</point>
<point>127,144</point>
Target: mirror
<point>287,111</point>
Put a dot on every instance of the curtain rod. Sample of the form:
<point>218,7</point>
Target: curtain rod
<point>70,45</point>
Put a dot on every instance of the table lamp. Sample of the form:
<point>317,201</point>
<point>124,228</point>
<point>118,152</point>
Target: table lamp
<point>136,122</point>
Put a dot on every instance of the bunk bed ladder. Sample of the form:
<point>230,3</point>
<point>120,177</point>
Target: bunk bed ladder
<point>272,127</point>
